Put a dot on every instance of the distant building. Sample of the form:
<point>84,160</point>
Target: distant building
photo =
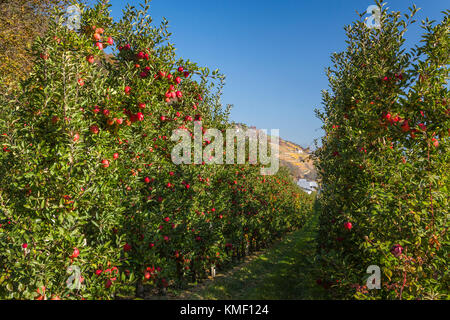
<point>307,186</point>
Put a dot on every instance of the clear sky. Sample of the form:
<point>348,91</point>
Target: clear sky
<point>273,53</point>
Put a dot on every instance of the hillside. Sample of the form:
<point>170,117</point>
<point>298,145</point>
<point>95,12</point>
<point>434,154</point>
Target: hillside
<point>296,158</point>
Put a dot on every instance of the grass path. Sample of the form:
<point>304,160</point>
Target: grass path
<point>284,271</point>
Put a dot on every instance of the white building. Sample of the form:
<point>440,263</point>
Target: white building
<point>308,186</point>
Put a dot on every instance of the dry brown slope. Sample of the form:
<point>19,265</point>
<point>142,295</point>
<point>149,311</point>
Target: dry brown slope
<point>295,158</point>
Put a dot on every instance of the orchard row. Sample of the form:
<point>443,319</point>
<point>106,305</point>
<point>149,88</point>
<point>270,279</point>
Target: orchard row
<point>92,206</point>
<point>384,163</point>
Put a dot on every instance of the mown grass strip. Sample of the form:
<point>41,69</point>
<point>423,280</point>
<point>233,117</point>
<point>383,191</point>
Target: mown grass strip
<point>284,271</point>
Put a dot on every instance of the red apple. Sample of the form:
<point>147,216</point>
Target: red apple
<point>435,142</point>
<point>405,126</point>
<point>75,253</point>
<point>140,55</point>
<point>105,163</point>
<point>94,129</point>
<point>97,36</point>
<point>397,250</point>
<point>133,118</point>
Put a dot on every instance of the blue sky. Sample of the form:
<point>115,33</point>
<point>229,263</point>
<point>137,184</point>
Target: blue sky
<point>273,53</point>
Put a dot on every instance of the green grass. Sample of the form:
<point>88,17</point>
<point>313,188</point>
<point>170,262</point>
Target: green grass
<point>284,271</point>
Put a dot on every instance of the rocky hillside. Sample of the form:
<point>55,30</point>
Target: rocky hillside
<point>295,158</point>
